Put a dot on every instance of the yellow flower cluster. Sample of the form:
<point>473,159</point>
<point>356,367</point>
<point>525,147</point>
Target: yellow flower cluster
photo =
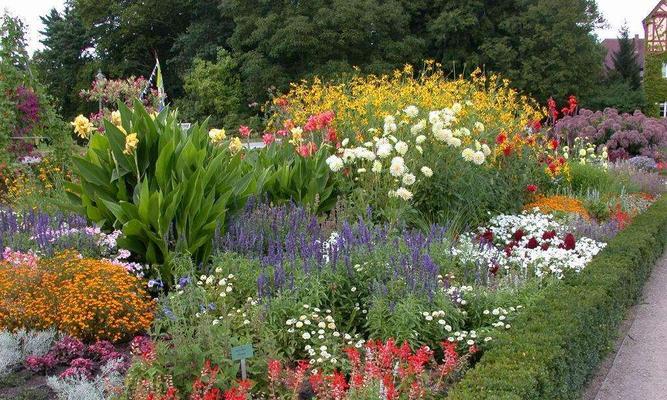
<point>85,298</point>
<point>364,100</point>
<point>82,126</point>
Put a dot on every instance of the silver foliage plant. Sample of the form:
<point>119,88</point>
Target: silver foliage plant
<point>80,388</point>
<point>16,346</point>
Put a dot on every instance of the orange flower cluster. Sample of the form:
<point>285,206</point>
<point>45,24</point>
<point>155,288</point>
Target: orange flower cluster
<point>86,298</point>
<point>549,204</point>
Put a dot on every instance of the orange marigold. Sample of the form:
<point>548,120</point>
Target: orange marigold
<point>549,204</point>
<point>85,298</point>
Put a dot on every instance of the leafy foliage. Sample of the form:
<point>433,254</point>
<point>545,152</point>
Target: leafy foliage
<point>170,193</point>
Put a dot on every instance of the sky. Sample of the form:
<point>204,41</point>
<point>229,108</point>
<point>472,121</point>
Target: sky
<point>616,12</point>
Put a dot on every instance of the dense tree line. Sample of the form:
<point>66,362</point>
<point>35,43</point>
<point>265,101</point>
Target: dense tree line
<point>244,47</point>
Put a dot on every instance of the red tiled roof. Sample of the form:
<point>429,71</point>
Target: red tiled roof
<point>612,47</point>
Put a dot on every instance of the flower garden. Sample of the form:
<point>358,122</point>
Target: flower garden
<point>404,236</point>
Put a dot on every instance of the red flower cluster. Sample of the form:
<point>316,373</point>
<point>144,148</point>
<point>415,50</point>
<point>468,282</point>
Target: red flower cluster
<point>531,188</point>
<point>401,372</point>
<point>319,121</point>
<point>307,149</point>
<point>204,388</point>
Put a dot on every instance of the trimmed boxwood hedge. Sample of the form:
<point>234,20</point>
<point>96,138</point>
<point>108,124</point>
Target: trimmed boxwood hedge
<point>558,340</point>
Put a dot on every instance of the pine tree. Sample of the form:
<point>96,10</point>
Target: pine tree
<point>625,60</point>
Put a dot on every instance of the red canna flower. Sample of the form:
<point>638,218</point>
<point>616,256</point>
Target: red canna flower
<point>244,131</point>
<point>531,188</point>
<point>501,138</point>
<point>307,149</point>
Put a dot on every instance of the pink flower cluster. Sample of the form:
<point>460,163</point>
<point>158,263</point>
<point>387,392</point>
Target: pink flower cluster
<point>18,258</point>
<point>79,359</point>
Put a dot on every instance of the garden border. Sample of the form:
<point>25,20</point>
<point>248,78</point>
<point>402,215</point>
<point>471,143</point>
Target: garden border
<point>558,340</point>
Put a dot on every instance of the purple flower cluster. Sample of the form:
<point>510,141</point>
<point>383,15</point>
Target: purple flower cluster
<point>28,108</point>
<point>625,135</point>
<point>77,358</point>
<point>44,234</point>
<point>288,240</point>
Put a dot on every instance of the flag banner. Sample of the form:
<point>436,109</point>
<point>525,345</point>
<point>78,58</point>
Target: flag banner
<point>160,85</point>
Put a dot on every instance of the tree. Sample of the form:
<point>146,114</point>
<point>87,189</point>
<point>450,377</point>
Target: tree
<point>547,48</point>
<point>213,89</point>
<point>127,35</point>
<point>65,62</point>
<point>208,31</point>
<point>281,42</point>
<point>625,60</point>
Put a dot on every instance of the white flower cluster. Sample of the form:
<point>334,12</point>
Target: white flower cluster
<point>226,284</point>
<point>528,241</point>
<point>317,332</point>
<point>437,317</point>
<point>397,151</point>
<point>470,338</point>
<point>502,315</point>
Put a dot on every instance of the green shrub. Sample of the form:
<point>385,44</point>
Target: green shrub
<point>169,193</point>
<point>585,177</point>
<point>559,340</point>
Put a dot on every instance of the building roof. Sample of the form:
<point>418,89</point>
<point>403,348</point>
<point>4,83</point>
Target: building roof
<point>612,47</point>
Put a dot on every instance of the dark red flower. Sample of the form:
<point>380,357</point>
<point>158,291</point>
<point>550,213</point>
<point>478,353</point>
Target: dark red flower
<point>487,236</point>
<point>569,243</point>
<point>518,235</point>
<point>532,243</point>
<point>501,138</point>
<point>549,235</point>
<point>531,188</point>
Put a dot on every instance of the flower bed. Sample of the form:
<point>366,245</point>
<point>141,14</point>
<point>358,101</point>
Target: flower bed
<point>562,337</point>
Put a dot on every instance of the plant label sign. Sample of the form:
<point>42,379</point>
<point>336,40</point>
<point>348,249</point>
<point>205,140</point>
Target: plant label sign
<point>242,353</point>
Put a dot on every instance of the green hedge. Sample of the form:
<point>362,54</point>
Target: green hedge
<point>558,341</point>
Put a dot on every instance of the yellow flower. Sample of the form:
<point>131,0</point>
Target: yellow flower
<point>297,136</point>
<point>235,145</point>
<point>115,118</point>
<point>131,142</point>
<point>120,128</point>
<point>82,126</point>
<point>217,135</point>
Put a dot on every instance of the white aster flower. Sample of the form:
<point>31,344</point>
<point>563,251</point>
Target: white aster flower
<point>401,147</point>
<point>403,193</point>
<point>335,163</point>
<point>408,179</point>
<point>468,154</point>
<point>478,158</point>
<point>384,150</point>
<point>428,172</point>
<point>411,111</point>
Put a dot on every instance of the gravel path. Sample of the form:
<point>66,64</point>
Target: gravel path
<point>639,369</point>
